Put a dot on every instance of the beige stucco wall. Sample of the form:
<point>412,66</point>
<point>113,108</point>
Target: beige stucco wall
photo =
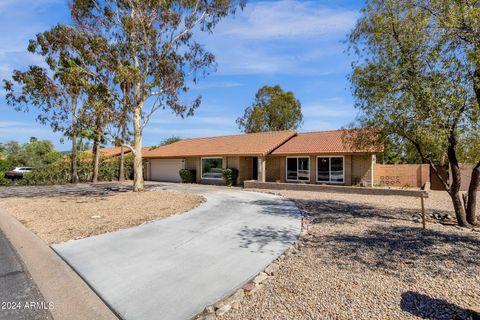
<point>232,162</point>
<point>273,168</point>
<point>362,169</point>
<point>245,170</point>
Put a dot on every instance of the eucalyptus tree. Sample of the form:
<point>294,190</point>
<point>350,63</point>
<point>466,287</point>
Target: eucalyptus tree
<point>156,38</point>
<point>273,110</point>
<point>412,85</point>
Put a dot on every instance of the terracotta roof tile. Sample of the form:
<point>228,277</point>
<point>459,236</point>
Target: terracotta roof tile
<point>115,151</point>
<point>254,144</point>
<point>321,142</point>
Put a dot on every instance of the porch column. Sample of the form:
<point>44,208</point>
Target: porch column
<point>261,169</point>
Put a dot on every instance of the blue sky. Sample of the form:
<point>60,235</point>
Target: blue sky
<point>296,44</point>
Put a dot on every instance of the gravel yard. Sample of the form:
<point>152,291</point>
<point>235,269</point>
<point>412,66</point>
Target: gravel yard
<point>65,217</point>
<point>365,258</point>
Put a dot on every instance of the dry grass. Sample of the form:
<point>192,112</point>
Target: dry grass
<point>61,218</point>
<point>365,258</point>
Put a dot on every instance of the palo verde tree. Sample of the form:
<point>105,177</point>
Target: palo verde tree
<point>155,39</point>
<point>273,110</point>
<point>412,85</point>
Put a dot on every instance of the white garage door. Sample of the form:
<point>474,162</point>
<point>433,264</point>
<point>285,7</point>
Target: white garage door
<point>166,169</point>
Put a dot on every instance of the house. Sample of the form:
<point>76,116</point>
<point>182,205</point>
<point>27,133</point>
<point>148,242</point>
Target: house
<point>279,156</point>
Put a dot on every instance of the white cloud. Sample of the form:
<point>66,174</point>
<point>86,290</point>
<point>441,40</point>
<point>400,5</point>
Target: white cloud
<point>281,37</point>
<point>329,108</point>
<point>289,20</point>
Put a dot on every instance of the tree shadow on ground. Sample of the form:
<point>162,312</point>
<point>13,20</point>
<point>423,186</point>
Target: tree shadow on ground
<point>278,207</point>
<point>259,239</point>
<point>425,307</point>
<point>80,190</point>
<point>334,211</point>
<point>387,240</point>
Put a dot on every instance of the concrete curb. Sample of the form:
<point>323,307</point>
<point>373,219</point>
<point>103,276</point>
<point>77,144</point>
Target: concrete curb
<point>58,283</point>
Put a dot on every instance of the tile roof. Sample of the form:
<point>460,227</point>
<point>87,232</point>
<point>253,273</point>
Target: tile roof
<point>322,142</point>
<point>253,144</point>
<point>115,151</point>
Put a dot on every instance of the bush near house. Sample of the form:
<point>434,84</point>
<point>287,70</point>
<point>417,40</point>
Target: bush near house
<point>187,176</point>
<point>230,176</point>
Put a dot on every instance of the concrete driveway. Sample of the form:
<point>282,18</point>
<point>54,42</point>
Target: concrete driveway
<point>174,267</point>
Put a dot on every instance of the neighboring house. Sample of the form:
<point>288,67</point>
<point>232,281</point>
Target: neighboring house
<point>280,156</point>
<point>115,151</point>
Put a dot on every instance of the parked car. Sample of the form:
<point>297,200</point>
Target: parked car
<point>17,173</point>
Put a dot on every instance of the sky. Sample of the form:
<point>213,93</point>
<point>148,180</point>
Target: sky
<point>299,45</point>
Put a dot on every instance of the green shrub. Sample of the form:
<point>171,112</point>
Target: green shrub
<point>187,176</point>
<point>56,173</point>
<point>59,171</point>
<point>4,181</point>
<point>230,176</point>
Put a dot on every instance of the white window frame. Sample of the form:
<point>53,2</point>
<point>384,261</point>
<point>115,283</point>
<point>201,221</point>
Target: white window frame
<point>330,170</point>
<point>286,169</point>
<point>201,168</point>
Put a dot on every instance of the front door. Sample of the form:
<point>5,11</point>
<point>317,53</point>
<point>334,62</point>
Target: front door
<point>255,168</point>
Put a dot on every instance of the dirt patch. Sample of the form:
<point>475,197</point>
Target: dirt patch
<point>61,218</point>
<point>365,258</point>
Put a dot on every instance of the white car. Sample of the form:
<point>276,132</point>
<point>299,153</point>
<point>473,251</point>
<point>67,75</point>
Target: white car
<point>17,173</point>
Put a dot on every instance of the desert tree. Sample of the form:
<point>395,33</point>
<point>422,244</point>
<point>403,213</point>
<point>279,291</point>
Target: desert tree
<point>413,86</point>
<point>273,110</point>
<point>156,39</point>
<point>459,23</point>
<point>57,92</point>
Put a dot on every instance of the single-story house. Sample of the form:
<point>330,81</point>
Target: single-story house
<point>279,156</point>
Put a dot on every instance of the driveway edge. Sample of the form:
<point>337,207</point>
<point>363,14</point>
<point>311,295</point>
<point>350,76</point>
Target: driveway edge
<point>58,283</point>
<point>255,284</point>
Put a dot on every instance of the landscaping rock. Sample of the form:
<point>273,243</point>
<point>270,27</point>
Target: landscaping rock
<point>209,309</point>
<point>262,276</point>
<point>256,289</point>
<point>209,316</point>
<point>248,287</point>
<point>224,309</point>
<point>272,269</point>
<point>367,260</point>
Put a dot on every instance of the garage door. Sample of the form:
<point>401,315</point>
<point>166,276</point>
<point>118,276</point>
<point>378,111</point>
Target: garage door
<point>166,169</point>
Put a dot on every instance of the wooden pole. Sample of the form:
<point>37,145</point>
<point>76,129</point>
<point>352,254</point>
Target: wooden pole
<point>424,218</point>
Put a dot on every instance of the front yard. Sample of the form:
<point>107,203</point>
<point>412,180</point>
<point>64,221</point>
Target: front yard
<point>365,258</point>
<point>88,211</point>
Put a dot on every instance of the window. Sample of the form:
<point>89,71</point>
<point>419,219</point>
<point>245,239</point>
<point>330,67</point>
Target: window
<point>330,169</point>
<point>212,168</point>
<point>298,169</point>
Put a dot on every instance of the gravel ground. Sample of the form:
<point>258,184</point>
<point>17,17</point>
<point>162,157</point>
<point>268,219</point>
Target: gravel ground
<point>61,218</point>
<point>365,258</point>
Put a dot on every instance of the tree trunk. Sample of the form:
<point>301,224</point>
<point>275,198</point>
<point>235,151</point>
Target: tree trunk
<point>456,182</point>
<point>96,159</point>
<point>121,170</point>
<point>138,183</point>
<point>74,168</point>
<point>472,195</point>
